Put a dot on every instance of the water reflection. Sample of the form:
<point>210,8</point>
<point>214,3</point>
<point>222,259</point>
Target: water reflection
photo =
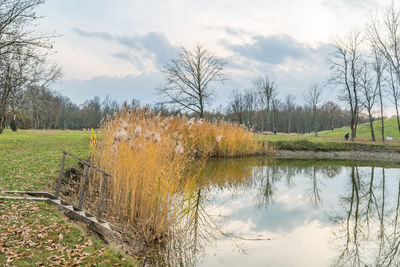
<point>369,222</point>
<point>290,213</point>
<point>196,230</point>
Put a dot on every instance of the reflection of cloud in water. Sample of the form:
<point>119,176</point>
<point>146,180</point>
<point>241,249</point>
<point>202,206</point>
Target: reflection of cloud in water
<point>294,248</point>
<point>305,213</point>
<point>287,211</point>
<point>314,215</point>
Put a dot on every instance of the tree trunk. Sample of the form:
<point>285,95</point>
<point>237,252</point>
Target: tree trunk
<point>383,128</point>
<point>383,124</point>
<point>13,124</point>
<point>315,118</point>
<point>262,120</point>
<point>273,119</point>
<point>371,125</point>
<point>355,125</point>
<point>397,116</point>
<point>353,133</point>
<point>1,123</point>
<point>201,106</point>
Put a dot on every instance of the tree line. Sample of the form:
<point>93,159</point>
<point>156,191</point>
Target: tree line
<point>255,109</point>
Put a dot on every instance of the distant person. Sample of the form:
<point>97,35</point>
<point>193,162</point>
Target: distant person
<point>347,136</point>
<point>332,128</point>
<point>274,131</point>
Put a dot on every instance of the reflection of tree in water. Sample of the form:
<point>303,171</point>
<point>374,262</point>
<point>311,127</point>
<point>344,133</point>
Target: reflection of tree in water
<point>263,174</point>
<point>365,214</point>
<point>368,226</point>
<point>267,177</point>
<point>351,225</point>
<point>186,244</point>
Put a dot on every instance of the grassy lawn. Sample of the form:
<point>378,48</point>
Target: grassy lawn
<point>36,234</point>
<point>364,132</point>
<point>334,140</point>
<point>30,160</point>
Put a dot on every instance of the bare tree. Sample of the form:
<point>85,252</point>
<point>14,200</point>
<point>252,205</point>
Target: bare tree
<point>346,66</point>
<point>313,97</point>
<point>266,88</point>
<point>19,46</point>
<point>17,35</point>
<point>237,106</point>
<point>378,69</point>
<point>290,103</point>
<point>35,76</point>
<point>189,79</point>
<point>384,37</point>
<point>250,104</point>
<point>394,92</point>
<point>275,105</point>
<point>368,93</point>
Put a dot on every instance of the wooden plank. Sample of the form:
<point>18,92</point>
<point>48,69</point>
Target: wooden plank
<point>60,175</point>
<point>86,163</point>
<point>102,195</point>
<point>27,198</point>
<point>83,186</point>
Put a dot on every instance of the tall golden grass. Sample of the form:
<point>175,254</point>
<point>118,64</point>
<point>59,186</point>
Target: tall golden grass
<point>155,160</point>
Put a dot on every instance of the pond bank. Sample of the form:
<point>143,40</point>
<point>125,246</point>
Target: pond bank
<point>331,150</point>
<point>375,156</point>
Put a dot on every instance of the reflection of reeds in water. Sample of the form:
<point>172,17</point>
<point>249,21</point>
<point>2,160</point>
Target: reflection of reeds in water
<point>195,230</point>
<point>227,172</point>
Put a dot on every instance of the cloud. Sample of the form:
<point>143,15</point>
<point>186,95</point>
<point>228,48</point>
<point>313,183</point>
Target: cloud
<point>292,64</point>
<point>364,4</point>
<point>273,49</point>
<point>101,35</point>
<point>151,43</point>
<point>230,30</point>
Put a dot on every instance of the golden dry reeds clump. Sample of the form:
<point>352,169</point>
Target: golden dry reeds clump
<point>225,139</point>
<point>155,160</point>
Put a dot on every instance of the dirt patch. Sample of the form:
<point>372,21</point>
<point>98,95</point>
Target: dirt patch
<point>375,156</point>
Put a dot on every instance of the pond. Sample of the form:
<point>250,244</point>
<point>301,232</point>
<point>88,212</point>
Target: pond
<point>258,212</point>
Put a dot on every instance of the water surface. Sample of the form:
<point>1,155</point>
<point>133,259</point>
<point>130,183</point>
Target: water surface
<point>256,212</point>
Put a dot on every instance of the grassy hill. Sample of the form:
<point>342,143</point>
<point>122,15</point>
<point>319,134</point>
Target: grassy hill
<point>364,132</point>
<point>334,140</point>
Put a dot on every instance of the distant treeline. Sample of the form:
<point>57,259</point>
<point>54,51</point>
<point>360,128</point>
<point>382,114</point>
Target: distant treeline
<point>40,108</point>
<point>43,109</point>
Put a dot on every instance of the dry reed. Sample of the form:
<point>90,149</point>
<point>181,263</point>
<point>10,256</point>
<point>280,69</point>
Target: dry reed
<point>155,160</point>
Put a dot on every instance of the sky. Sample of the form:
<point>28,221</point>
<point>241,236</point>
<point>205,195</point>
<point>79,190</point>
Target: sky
<point>119,47</point>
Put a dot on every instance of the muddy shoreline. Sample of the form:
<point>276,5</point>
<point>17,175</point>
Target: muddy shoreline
<point>372,156</point>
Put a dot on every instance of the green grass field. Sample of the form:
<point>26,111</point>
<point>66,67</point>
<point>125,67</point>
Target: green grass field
<point>334,140</point>
<point>36,234</point>
<point>364,132</point>
<point>30,160</point>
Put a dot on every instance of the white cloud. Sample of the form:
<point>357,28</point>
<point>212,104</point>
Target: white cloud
<point>129,38</point>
